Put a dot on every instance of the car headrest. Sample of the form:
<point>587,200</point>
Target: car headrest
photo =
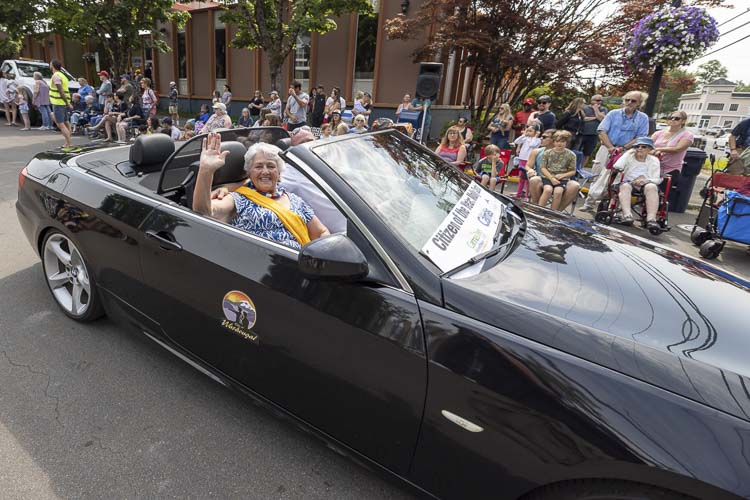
<point>284,144</point>
<point>151,148</point>
<point>234,164</point>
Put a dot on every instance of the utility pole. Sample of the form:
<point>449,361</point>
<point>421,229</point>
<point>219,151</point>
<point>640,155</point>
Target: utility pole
<point>653,92</point>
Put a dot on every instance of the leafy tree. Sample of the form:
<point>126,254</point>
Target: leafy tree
<point>512,46</point>
<point>742,86</point>
<point>18,18</point>
<point>710,71</point>
<point>275,25</point>
<point>674,83</point>
<point>114,23</point>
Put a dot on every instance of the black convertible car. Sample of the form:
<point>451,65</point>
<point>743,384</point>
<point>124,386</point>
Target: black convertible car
<point>470,346</point>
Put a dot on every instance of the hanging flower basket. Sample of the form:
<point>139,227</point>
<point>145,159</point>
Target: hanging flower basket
<point>672,37</point>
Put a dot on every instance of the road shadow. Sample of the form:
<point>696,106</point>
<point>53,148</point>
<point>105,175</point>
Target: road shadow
<point>94,410</point>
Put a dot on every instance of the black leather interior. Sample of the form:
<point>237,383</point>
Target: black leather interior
<point>234,164</point>
<point>149,151</point>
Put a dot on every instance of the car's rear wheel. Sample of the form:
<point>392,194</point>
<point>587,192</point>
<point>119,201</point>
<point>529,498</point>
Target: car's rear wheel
<point>601,489</point>
<point>68,278</point>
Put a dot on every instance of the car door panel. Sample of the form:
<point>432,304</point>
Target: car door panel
<point>346,357</point>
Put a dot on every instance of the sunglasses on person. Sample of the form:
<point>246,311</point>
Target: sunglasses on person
<point>631,100</point>
<point>597,100</point>
<point>675,118</point>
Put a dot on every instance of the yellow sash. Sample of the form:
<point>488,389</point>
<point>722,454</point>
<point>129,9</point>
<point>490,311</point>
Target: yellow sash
<point>291,220</point>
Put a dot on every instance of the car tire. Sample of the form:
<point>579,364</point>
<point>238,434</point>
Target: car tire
<point>602,489</point>
<point>711,249</point>
<point>69,279</point>
<point>699,236</point>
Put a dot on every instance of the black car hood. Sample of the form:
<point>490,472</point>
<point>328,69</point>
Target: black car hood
<point>621,302</point>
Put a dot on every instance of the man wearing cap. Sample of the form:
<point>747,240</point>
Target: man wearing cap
<point>173,103</point>
<point>296,107</point>
<point>521,118</point>
<point>319,107</point>
<point>105,88</point>
<point>593,115</point>
<point>543,116</point>
<point>126,89</point>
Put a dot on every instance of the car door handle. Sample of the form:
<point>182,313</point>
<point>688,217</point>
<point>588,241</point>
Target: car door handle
<point>164,239</point>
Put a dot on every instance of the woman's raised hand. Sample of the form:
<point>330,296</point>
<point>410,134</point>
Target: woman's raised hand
<point>212,158</point>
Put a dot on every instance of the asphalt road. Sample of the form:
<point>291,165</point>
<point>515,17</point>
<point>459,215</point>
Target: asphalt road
<point>93,411</point>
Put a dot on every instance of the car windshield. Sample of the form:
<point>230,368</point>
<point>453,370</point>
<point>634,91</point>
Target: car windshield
<point>28,69</point>
<point>427,202</point>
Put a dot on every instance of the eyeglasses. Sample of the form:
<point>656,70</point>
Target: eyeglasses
<point>675,118</point>
<point>631,100</point>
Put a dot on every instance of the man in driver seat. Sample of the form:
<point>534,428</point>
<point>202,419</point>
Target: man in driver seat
<point>261,206</point>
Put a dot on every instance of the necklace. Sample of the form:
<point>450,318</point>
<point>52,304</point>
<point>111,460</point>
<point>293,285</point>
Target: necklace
<point>278,193</point>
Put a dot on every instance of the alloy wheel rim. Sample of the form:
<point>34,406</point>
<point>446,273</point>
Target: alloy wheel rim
<point>67,275</point>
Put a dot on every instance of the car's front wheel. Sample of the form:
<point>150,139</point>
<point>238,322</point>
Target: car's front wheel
<point>68,278</point>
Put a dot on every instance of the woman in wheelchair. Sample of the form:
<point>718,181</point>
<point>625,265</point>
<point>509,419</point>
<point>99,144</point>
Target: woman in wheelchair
<point>640,176</point>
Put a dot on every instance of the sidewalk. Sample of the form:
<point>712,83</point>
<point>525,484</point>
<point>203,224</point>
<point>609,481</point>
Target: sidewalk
<point>733,258</point>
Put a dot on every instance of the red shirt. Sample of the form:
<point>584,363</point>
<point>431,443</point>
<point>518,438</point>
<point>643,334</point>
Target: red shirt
<point>520,121</point>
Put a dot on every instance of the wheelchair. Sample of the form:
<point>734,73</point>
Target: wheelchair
<point>608,210</point>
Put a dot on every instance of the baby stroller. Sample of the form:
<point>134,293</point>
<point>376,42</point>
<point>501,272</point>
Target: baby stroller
<point>726,200</point>
<point>608,208</point>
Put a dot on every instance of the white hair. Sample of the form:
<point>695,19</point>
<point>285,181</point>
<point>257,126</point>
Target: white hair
<point>269,151</point>
<point>37,75</point>
<point>89,98</point>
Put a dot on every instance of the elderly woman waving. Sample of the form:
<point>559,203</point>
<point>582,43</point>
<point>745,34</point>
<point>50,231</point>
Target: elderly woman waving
<point>261,206</point>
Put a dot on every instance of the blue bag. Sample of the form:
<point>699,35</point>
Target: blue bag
<point>733,222</point>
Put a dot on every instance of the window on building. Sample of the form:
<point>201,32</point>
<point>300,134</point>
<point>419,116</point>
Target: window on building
<point>364,59</point>
<point>715,106</point>
<point>700,105</point>
<point>220,44</point>
<point>181,55</point>
<point>728,123</point>
<point>734,107</point>
<point>302,60</point>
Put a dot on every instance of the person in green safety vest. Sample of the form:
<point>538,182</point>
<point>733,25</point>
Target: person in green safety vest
<point>60,99</point>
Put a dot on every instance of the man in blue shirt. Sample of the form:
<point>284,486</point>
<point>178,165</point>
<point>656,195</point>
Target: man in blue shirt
<point>619,130</point>
<point>621,127</point>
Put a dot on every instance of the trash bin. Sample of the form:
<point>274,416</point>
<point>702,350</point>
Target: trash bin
<point>680,195</point>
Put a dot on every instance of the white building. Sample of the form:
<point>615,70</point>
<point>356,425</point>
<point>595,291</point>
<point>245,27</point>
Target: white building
<point>717,104</point>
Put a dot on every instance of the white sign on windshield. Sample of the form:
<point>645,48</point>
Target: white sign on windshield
<point>467,231</point>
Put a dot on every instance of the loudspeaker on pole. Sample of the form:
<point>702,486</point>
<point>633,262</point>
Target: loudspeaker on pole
<point>428,80</point>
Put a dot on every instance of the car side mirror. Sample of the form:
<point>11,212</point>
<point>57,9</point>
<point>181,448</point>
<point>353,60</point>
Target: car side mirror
<point>333,257</point>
